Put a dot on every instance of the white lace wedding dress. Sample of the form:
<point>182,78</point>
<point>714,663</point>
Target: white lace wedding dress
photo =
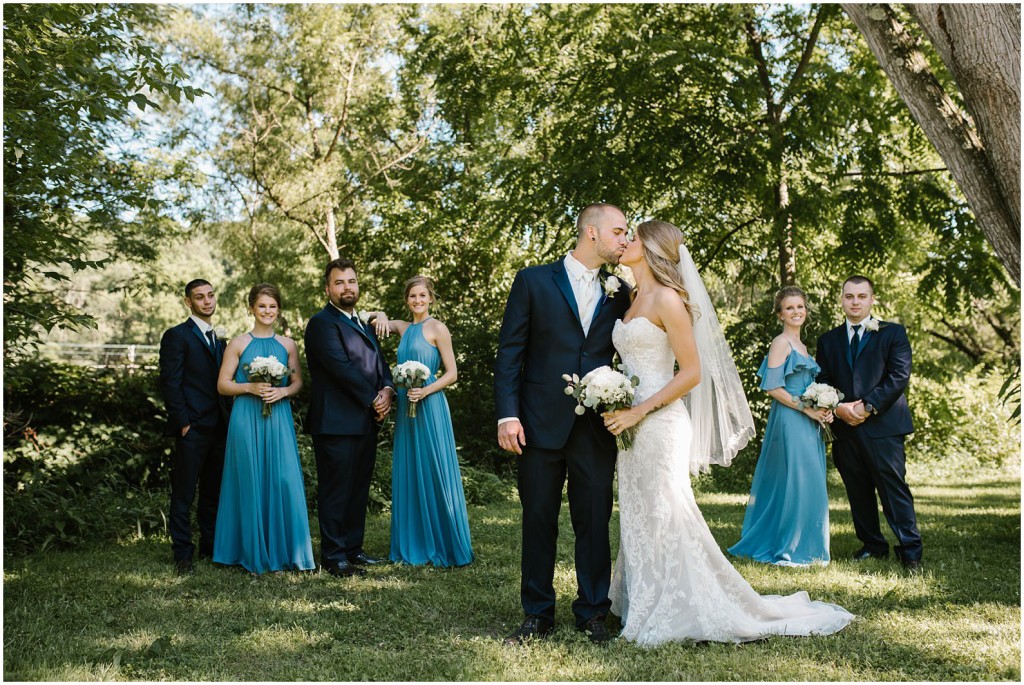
<point>671,580</point>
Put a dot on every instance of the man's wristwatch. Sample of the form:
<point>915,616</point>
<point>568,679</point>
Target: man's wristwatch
<point>870,408</point>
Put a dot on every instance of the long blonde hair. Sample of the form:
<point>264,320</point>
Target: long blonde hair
<point>661,241</point>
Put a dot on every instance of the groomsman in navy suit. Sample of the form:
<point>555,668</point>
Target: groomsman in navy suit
<point>190,356</point>
<point>869,361</point>
<point>352,392</point>
<point>559,319</point>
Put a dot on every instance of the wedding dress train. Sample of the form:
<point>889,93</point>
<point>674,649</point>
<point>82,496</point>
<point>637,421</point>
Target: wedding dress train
<point>671,580</point>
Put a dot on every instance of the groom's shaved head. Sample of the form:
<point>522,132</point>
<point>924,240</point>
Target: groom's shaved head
<point>591,215</point>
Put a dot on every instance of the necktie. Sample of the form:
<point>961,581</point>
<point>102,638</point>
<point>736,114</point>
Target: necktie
<point>855,343</point>
<point>586,298</point>
<point>357,322</point>
<point>212,337</point>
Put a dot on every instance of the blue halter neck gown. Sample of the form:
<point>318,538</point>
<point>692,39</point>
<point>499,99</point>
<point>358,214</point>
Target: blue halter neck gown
<point>429,522</point>
<point>262,520</point>
<point>786,522</point>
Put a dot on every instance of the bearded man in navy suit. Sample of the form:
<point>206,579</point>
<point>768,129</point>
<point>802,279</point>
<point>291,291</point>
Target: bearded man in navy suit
<point>190,356</point>
<point>352,392</point>
<point>869,361</point>
<point>558,320</point>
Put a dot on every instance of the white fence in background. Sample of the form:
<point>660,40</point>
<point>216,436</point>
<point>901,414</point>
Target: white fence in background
<point>106,356</point>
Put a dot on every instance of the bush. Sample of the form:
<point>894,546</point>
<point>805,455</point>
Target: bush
<point>84,457</point>
<point>962,422</point>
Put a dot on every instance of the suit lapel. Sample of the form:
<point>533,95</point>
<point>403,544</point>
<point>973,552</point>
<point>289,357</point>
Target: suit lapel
<point>562,281</point>
<point>347,321</point>
<point>203,338</point>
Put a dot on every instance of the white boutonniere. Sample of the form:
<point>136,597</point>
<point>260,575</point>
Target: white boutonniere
<point>611,286</point>
<point>871,325</point>
<point>220,332</point>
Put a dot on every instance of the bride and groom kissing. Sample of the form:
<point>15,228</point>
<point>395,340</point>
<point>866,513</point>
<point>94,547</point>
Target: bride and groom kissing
<point>671,581</point>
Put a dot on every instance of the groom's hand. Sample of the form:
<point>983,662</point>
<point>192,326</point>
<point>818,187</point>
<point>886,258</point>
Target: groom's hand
<point>850,413</point>
<point>511,436</point>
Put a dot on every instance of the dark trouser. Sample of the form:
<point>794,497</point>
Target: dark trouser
<point>198,461</point>
<point>878,464</point>
<point>590,466</point>
<point>344,466</point>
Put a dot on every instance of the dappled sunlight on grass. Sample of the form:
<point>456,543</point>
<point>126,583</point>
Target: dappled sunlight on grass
<point>95,613</point>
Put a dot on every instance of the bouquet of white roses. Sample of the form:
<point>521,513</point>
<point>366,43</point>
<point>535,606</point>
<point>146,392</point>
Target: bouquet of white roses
<point>821,396</point>
<point>266,370</point>
<point>408,375</point>
<point>604,389</point>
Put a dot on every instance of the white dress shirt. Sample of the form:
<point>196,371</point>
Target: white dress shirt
<point>586,287</point>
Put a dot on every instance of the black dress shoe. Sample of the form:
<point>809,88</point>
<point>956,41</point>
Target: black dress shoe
<point>596,630</point>
<point>364,559</point>
<point>343,569</point>
<point>864,553</point>
<point>184,567</point>
<point>913,566</point>
<point>532,627</point>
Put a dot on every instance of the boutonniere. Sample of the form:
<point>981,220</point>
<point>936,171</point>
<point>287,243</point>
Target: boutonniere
<point>220,332</point>
<point>871,325</point>
<point>611,286</point>
<point>364,316</point>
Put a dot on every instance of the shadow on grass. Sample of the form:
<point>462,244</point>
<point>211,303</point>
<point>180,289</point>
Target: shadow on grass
<point>97,612</point>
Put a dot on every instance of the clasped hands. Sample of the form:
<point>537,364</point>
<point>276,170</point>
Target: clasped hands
<point>852,413</point>
<point>382,403</point>
<point>267,392</point>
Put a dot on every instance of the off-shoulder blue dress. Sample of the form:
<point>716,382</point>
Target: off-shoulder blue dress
<point>786,522</point>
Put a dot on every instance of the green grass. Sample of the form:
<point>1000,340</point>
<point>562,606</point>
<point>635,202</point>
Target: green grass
<point>117,611</point>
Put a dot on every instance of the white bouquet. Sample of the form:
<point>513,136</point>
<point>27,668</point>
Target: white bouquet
<point>821,396</point>
<point>266,370</point>
<point>604,389</point>
<point>408,375</point>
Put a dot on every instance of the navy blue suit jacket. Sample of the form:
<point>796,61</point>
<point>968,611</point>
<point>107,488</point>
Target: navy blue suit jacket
<point>188,380</point>
<point>879,378</point>
<point>346,371</point>
<point>542,338</point>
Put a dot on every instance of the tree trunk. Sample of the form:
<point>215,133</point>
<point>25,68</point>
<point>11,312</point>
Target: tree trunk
<point>332,235</point>
<point>980,45</point>
<point>946,127</point>
<point>784,233</point>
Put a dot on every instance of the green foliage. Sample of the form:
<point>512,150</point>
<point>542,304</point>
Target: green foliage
<point>962,421</point>
<point>83,456</point>
<point>74,78</point>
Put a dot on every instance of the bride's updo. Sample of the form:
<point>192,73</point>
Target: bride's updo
<point>661,241</point>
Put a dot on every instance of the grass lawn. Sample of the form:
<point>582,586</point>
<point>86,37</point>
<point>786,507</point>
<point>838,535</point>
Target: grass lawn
<point>118,612</point>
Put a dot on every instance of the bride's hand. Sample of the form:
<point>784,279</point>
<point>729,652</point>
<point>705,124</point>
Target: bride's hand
<point>622,419</point>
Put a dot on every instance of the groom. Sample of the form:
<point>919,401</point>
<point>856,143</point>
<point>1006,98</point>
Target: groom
<point>352,392</point>
<point>869,361</point>
<point>197,418</point>
<point>558,320</point>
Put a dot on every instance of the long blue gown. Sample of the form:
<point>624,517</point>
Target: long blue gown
<point>786,522</point>
<point>262,520</point>
<point>429,522</point>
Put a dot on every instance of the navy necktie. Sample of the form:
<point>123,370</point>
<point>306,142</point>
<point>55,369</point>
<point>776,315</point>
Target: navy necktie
<point>212,337</point>
<point>855,343</point>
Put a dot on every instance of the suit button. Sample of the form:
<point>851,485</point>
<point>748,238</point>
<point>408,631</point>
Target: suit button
<point>586,354</point>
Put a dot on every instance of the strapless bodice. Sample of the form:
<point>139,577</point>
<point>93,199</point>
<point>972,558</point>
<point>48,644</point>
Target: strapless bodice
<point>646,353</point>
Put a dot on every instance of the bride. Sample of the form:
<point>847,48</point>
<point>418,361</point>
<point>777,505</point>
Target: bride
<point>671,580</point>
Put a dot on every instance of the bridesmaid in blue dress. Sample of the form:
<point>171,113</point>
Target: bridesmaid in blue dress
<point>262,520</point>
<point>429,522</point>
<point>786,522</point>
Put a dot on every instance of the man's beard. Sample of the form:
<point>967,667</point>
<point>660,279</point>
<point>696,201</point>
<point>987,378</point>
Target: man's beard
<point>347,300</point>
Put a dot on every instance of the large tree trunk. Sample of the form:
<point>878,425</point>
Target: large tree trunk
<point>946,127</point>
<point>980,45</point>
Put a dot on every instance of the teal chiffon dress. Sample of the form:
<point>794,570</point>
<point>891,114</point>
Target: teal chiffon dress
<point>429,522</point>
<point>786,522</point>
<point>262,520</point>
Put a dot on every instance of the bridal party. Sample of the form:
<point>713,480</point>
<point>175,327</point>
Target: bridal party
<point>613,382</point>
